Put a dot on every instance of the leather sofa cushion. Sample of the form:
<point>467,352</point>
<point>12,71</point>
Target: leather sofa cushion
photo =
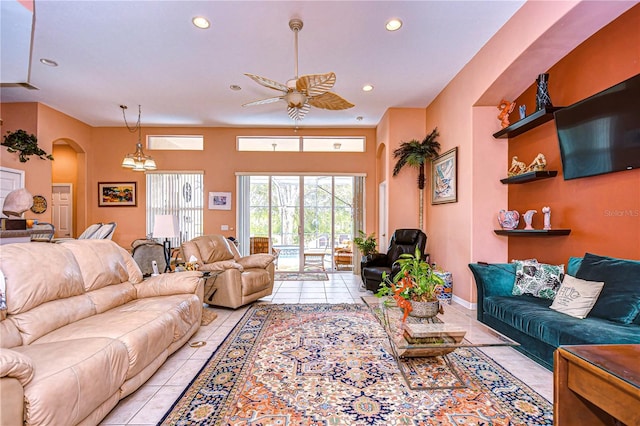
<point>145,326</point>
<point>56,276</point>
<point>114,295</point>
<point>532,316</point>
<point>212,248</point>
<point>50,316</point>
<point>72,378</point>
<point>100,261</point>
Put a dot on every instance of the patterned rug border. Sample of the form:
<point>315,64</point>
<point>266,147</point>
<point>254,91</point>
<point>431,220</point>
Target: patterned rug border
<point>330,307</point>
<point>302,276</point>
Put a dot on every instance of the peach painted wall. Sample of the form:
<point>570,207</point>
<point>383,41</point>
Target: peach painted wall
<point>401,125</point>
<point>220,161</point>
<point>603,211</point>
<point>24,116</point>
<point>538,35</point>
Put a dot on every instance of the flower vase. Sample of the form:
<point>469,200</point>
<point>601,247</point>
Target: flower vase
<point>542,95</point>
<point>424,309</point>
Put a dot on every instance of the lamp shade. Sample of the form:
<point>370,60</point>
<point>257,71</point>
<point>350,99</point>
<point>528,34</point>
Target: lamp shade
<point>165,226</point>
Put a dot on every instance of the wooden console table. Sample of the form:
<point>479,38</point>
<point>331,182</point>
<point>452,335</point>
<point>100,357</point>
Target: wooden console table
<point>596,385</point>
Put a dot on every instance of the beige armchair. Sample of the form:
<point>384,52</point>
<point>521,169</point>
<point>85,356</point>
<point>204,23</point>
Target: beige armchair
<point>234,280</point>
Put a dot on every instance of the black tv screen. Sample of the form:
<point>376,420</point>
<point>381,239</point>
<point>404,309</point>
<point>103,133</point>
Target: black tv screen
<point>601,134</point>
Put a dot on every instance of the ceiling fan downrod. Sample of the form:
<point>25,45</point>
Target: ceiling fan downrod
<point>296,25</point>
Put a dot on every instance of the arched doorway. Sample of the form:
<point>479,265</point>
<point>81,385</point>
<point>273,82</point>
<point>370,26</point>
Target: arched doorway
<point>68,188</point>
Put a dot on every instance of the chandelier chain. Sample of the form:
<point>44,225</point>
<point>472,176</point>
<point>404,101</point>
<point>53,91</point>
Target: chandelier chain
<point>129,128</point>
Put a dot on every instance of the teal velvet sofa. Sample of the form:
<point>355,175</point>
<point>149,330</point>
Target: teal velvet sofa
<point>528,320</point>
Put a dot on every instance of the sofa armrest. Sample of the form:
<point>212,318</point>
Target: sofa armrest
<point>220,266</point>
<point>492,279</point>
<point>16,365</point>
<point>189,282</point>
<point>256,261</point>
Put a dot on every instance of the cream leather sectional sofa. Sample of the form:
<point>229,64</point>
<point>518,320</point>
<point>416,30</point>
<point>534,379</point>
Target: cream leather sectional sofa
<point>82,330</point>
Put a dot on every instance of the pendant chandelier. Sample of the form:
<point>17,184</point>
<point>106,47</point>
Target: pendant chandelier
<point>138,161</point>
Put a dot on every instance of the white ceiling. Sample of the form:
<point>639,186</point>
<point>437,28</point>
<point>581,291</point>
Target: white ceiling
<point>149,53</point>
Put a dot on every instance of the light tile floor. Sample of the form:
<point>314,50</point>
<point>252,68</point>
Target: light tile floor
<point>150,402</point>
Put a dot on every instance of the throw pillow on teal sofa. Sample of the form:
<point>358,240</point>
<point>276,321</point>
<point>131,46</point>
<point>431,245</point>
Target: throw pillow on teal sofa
<point>619,300</point>
<point>538,329</point>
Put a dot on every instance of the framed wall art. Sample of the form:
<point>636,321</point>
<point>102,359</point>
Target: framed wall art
<point>219,201</point>
<point>117,194</point>
<point>444,178</point>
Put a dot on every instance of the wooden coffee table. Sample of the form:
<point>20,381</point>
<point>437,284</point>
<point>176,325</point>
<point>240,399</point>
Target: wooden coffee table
<point>596,385</point>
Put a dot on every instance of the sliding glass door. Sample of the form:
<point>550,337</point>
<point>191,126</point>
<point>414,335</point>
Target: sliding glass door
<point>308,219</point>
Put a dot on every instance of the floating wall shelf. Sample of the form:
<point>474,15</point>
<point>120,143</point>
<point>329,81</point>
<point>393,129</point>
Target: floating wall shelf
<point>533,232</point>
<point>530,176</point>
<point>527,123</point>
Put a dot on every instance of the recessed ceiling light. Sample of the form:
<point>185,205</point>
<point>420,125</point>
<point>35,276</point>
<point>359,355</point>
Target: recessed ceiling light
<point>367,88</point>
<point>359,118</point>
<point>201,22</point>
<point>235,87</point>
<point>49,62</point>
<point>393,24</point>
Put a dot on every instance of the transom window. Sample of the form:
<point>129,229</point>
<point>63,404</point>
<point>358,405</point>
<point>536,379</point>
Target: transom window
<point>176,143</point>
<point>301,144</point>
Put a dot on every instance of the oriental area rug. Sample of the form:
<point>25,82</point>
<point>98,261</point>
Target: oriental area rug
<point>324,364</point>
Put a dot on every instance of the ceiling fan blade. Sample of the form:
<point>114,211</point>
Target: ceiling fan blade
<point>298,113</point>
<point>266,82</point>
<point>330,100</point>
<point>316,84</point>
<point>263,101</point>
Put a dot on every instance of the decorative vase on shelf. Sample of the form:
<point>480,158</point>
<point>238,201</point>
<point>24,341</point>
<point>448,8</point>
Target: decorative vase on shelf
<point>528,218</point>
<point>508,219</point>
<point>424,309</point>
<point>542,95</point>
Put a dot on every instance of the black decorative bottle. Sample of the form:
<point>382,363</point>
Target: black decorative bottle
<point>542,95</point>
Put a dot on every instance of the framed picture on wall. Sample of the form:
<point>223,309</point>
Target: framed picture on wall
<point>219,201</point>
<point>117,194</point>
<point>444,178</point>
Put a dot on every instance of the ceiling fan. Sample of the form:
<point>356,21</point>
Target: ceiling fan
<point>302,93</point>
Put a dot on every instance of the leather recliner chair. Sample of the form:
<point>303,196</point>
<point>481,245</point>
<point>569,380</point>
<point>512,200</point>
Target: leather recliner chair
<point>233,280</point>
<point>402,241</point>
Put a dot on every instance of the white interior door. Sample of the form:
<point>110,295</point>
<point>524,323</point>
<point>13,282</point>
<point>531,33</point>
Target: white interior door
<point>10,179</point>
<point>62,209</point>
<point>382,217</point>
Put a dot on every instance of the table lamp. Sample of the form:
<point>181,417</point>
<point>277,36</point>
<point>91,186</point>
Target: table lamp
<point>166,226</point>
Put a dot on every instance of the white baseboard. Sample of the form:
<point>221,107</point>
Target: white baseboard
<point>464,303</point>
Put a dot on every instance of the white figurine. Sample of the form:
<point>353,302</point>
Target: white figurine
<point>528,217</point>
<point>547,217</point>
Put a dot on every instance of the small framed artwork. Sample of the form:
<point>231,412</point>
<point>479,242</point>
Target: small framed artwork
<point>219,201</point>
<point>444,178</point>
<point>117,194</point>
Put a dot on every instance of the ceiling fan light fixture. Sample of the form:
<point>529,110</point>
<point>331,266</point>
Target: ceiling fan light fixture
<point>393,24</point>
<point>295,99</point>
<point>201,22</point>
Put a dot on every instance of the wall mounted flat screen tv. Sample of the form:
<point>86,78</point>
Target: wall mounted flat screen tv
<point>601,134</point>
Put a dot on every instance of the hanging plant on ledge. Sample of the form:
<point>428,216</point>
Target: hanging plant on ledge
<point>24,143</point>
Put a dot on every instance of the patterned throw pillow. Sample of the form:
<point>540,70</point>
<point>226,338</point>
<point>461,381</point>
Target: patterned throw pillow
<point>538,279</point>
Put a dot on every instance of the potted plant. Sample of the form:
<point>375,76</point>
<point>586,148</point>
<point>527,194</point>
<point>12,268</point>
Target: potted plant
<point>367,244</point>
<point>25,144</point>
<point>415,287</point>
